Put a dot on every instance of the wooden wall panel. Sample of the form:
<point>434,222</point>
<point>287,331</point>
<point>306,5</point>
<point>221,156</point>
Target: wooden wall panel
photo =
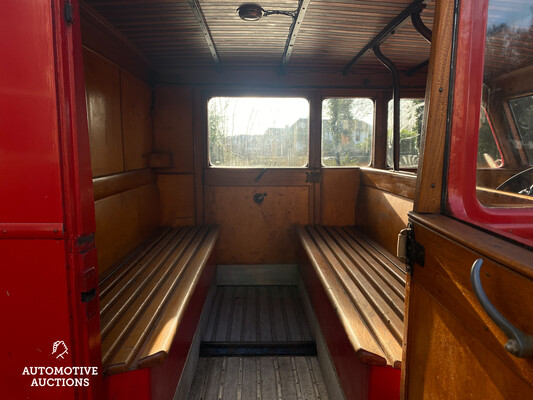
<point>123,221</point>
<point>257,233</point>
<point>450,363</point>
<point>103,38</point>
<point>173,126</point>
<point>382,215</point>
<point>102,86</point>
<point>136,121</point>
<point>177,199</point>
<point>339,192</point>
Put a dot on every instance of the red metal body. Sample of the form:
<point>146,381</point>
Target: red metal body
<point>515,223</point>
<point>46,205</point>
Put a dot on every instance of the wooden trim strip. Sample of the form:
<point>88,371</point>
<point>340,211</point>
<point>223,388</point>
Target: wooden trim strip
<point>200,18</point>
<point>110,185</point>
<point>400,183</point>
<point>370,285</point>
<point>369,305</point>
<point>432,143</point>
<point>293,33</point>
<point>256,177</point>
<point>513,256</point>
<point>350,319</point>
<point>175,311</point>
<point>122,342</point>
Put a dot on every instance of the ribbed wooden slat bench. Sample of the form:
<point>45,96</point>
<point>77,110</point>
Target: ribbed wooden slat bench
<point>145,297</point>
<point>366,287</point>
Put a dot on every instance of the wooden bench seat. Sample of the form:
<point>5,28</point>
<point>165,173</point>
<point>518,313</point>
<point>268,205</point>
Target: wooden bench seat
<point>144,298</point>
<point>366,287</point>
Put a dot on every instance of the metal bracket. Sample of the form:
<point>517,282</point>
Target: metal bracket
<point>313,177</point>
<point>68,13</point>
<point>88,296</point>
<point>409,250</point>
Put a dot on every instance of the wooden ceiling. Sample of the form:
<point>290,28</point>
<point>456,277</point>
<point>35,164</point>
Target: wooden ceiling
<point>329,35</point>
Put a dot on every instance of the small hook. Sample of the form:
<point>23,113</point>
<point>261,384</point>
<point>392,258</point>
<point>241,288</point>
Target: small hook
<point>259,197</point>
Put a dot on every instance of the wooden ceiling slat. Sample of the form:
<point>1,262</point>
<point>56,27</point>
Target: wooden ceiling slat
<point>167,32</point>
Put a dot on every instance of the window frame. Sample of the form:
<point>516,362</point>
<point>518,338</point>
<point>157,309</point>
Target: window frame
<point>391,167</point>
<point>321,133</point>
<point>258,94</point>
<point>467,79</point>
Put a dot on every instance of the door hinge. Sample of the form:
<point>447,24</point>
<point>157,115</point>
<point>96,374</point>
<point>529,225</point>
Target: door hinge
<point>313,177</point>
<point>88,295</point>
<point>409,250</point>
<point>68,14</point>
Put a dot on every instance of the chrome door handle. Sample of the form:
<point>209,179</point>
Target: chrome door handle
<point>518,344</point>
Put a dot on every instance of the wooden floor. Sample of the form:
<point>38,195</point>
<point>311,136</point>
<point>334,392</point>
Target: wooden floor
<point>258,314</point>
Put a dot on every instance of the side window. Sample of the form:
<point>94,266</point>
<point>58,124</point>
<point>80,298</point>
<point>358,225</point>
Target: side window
<point>258,132</point>
<point>411,116</point>
<point>522,111</point>
<point>347,128</point>
<point>507,57</point>
<point>488,151</point>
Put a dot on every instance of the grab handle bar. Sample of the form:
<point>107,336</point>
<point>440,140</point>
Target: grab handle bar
<point>518,344</point>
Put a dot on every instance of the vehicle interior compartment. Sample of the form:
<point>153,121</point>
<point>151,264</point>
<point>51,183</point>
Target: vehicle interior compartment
<point>249,256</point>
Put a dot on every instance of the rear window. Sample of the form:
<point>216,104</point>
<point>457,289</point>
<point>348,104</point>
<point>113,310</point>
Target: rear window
<point>347,126</point>
<point>411,116</point>
<point>258,132</point>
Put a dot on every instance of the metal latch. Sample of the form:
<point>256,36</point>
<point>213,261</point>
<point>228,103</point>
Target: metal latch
<point>68,13</point>
<point>88,295</point>
<point>313,177</point>
<point>409,250</point>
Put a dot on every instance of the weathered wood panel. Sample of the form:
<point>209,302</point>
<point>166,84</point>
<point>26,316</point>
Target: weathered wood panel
<point>136,121</point>
<point>382,215</point>
<point>257,233</point>
<point>177,199</point>
<point>102,86</point>
<point>173,126</point>
<point>339,192</point>
<point>123,221</point>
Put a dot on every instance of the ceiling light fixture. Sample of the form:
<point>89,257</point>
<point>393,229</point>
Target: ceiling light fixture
<point>253,12</point>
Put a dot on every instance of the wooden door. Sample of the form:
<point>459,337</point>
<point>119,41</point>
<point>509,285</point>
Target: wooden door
<point>454,350</point>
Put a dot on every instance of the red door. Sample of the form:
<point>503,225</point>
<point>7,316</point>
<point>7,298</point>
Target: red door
<point>48,299</point>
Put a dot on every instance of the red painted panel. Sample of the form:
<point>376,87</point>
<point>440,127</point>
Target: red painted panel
<point>33,300</point>
<point>384,383</point>
<point>129,385</point>
<point>78,200</point>
<point>30,188</point>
